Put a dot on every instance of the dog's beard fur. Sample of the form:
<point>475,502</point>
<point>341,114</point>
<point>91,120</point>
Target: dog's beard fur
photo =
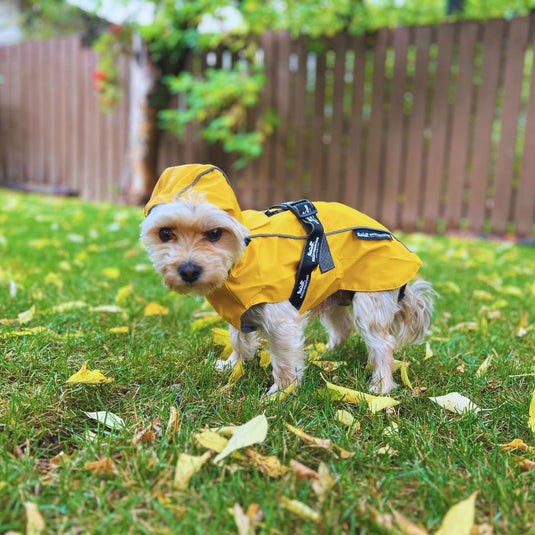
<point>189,221</point>
<point>384,323</point>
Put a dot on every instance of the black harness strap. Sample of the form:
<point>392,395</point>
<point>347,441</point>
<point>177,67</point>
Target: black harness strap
<point>316,251</point>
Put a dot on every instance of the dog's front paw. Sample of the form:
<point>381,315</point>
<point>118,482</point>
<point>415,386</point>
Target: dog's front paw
<point>382,386</point>
<point>226,365</point>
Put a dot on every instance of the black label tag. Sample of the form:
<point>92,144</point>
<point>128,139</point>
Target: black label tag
<point>365,233</point>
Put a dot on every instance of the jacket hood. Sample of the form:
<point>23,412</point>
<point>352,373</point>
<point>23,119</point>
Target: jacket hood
<point>193,181</point>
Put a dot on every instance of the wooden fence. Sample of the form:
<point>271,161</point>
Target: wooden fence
<point>427,128</point>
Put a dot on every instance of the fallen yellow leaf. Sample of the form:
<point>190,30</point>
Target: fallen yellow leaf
<point>327,365</point>
<point>346,418</point>
<point>26,316</point>
<point>123,294</point>
<point>237,373</point>
<point>119,330</point>
<point>325,481</point>
<point>265,358</point>
<point>531,420</point>
<point>375,403</point>
<point>173,424</point>
<point>201,323</point>
<point>186,466</point>
<point>103,466</point>
<point>323,443</point>
<point>154,309</point>
<point>455,402</point>
<point>111,272</point>
<point>221,337</point>
<point>521,328</point>
<point>404,367</point>
<point>211,440</point>
<point>245,435</point>
<point>460,518</point>
<point>300,509</point>
<point>516,444</point>
<point>281,395</point>
<point>87,376</point>
<point>35,523</point>
<point>484,366</point>
<point>270,466</point>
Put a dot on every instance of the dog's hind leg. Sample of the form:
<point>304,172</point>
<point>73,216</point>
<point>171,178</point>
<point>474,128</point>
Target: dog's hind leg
<point>338,323</point>
<point>373,315</point>
<point>244,346</point>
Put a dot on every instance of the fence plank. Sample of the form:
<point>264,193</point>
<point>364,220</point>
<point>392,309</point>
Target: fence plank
<point>439,123</point>
<point>375,130</point>
<point>300,119</point>
<point>482,144</point>
<point>317,150</point>
<point>264,169</point>
<point>458,152</point>
<point>395,137</point>
<point>354,173</point>
<point>524,212</point>
<point>282,95</point>
<point>503,181</point>
<point>334,186</point>
<point>415,143</point>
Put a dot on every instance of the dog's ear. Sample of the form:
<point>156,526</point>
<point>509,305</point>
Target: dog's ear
<point>239,231</point>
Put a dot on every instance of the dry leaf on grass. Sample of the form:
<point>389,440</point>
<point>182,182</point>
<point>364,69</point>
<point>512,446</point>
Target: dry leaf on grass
<point>375,403</point>
<point>247,521</point>
<point>107,418</point>
<point>205,321</point>
<point>346,418</point>
<point>391,521</point>
<point>526,464</point>
<point>456,402</point>
<point>270,466</point>
<point>87,376</point>
<point>300,509</point>
<point>403,366</point>
<point>484,366</point>
<point>149,434</point>
<point>323,443</point>
<point>245,435</point>
<point>173,424</point>
<point>531,420</point>
<point>459,520</point>
<point>111,272</point>
<point>119,330</point>
<point>280,395</point>
<point>123,295</point>
<point>186,466</point>
<point>264,358</point>
<point>154,309</point>
<point>302,471</point>
<point>26,316</point>
<point>211,440</point>
<point>103,466</point>
<point>516,444</point>
<point>35,523</point>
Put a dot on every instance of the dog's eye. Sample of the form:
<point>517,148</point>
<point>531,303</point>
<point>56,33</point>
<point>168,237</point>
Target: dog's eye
<point>213,234</point>
<point>166,234</point>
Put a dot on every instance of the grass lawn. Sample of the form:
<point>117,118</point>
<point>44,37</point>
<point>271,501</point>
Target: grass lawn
<point>74,286</point>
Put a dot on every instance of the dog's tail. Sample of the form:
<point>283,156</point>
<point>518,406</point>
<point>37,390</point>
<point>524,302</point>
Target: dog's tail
<point>412,321</point>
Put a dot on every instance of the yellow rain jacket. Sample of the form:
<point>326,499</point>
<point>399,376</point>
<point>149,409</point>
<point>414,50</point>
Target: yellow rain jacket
<point>366,256</point>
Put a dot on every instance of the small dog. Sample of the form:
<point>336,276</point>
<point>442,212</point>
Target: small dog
<point>271,271</point>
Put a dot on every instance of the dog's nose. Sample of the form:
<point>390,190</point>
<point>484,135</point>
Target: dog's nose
<point>189,272</point>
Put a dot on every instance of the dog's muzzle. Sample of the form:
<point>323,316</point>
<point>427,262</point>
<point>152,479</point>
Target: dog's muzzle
<point>189,272</point>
